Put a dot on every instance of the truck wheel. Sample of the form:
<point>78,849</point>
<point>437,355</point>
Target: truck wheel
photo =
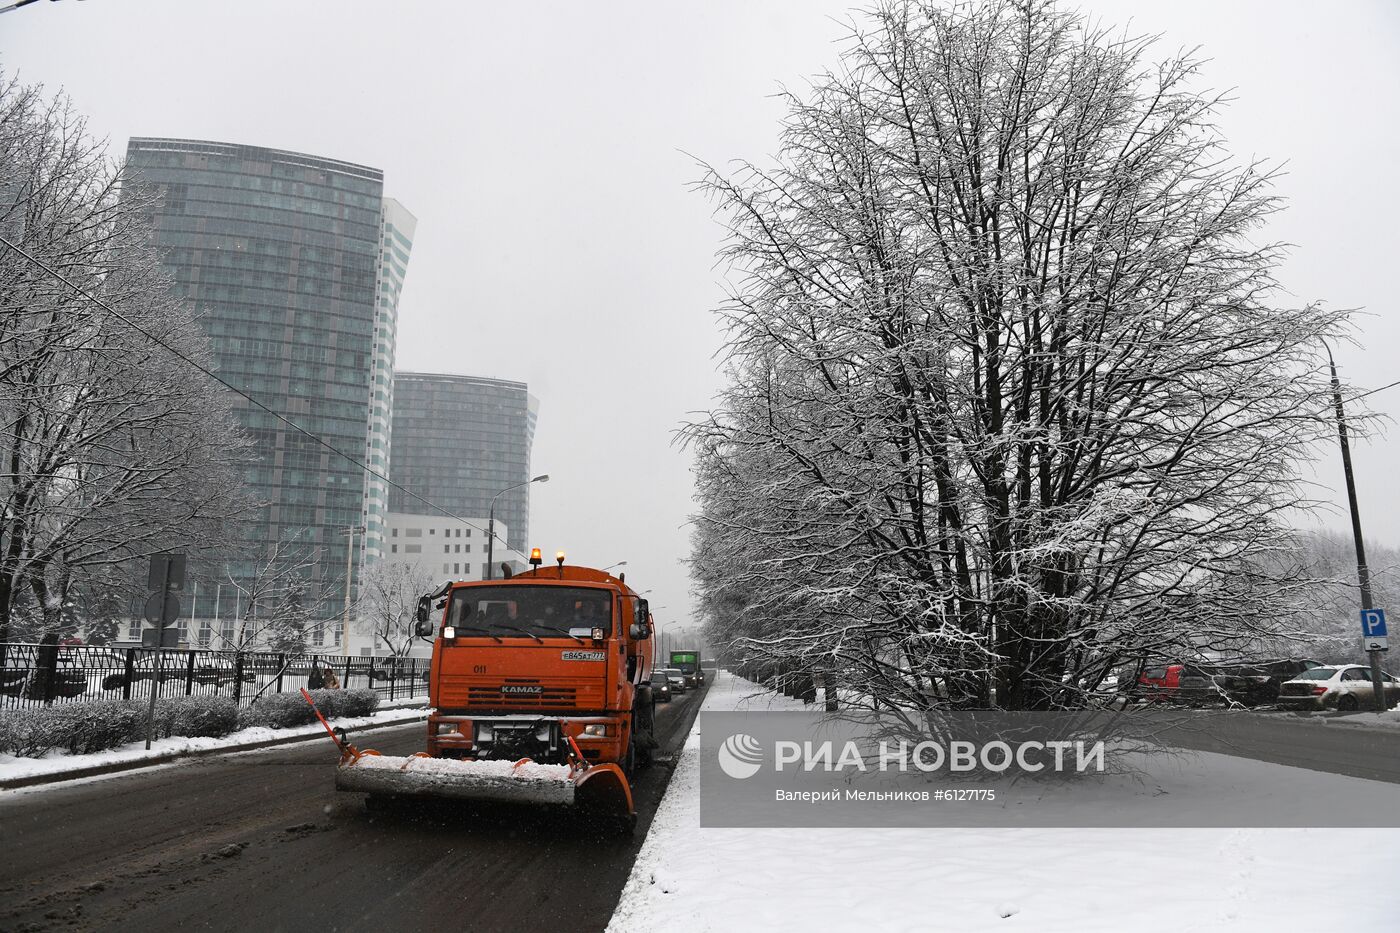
<point>643,739</point>
<point>629,759</point>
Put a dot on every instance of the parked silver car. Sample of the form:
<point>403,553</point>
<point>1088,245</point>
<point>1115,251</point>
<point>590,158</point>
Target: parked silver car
<point>1345,687</point>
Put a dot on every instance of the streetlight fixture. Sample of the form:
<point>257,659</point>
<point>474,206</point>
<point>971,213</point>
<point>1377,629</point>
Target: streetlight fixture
<point>621,563</point>
<point>491,523</point>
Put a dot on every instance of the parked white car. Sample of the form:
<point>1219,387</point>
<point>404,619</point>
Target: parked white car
<point>1346,687</point>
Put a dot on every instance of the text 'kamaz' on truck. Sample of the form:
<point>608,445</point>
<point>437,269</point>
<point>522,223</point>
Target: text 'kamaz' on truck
<point>540,688</point>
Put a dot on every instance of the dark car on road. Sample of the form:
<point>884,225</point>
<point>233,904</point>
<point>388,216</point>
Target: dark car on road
<point>660,687</point>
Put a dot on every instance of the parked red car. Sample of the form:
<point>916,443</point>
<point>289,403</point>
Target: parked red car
<point>1160,682</point>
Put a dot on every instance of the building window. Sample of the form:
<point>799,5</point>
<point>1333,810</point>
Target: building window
<point>444,569</point>
<point>394,533</point>
<point>393,548</point>
<point>447,549</point>
<point>413,532</point>
<point>456,568</point>
<point>432,531</point>
<point>459,549</point>
<point>469,548</point>
<point>413,549</point>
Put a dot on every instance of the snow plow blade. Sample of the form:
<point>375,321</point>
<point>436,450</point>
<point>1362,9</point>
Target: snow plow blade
<point>602,787</point>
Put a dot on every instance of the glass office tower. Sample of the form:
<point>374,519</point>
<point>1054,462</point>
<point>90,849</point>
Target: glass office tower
<point>458,441</point>
<point>295,264</point>
<point>395,242</point>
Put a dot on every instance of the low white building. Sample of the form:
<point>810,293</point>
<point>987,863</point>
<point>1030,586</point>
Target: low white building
<point>447,548</point>
<point>440,549</point>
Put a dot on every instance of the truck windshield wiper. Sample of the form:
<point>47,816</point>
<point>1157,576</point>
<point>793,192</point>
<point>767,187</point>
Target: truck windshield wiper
<point>487,632</point>
<point>512,628</point>
<point>561,631</point>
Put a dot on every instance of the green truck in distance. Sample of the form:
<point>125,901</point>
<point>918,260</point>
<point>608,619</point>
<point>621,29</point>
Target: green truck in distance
<point>688,663</point>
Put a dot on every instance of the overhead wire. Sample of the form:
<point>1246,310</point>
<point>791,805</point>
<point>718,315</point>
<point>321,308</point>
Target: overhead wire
<point>232,388</point>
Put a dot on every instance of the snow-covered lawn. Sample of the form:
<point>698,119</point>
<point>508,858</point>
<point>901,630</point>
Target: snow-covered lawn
<point>964,880</point>
<point>59,761</point>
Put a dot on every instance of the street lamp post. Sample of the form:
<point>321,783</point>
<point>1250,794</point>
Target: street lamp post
<point>1363,574</point>
<point>350,530</point>
<point>621,563</point>
<point>491,523</point>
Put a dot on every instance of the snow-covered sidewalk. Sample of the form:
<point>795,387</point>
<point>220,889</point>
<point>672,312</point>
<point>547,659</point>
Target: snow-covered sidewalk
<point>57,763</point>
<point>965,880</point>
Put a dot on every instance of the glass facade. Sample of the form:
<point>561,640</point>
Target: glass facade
<point>284,257</point>
<point>395,242</point>
<point>457,442</point>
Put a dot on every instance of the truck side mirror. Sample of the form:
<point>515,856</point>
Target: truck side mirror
<point>425,606</point>
<point>643,612</point>
<point>638,632</point>
<point>422,628</point>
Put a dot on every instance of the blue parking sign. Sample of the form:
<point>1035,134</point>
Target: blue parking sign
<point>1373,623</point>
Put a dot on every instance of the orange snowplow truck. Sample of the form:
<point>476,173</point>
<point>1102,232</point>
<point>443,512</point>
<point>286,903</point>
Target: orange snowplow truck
<point>546,665</point>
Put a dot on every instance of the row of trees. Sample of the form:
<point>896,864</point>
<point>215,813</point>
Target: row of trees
<point>111,446</point>
<point>1013,397</point>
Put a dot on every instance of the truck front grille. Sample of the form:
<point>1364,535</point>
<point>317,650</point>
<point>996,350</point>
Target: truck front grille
<point>496,697</point>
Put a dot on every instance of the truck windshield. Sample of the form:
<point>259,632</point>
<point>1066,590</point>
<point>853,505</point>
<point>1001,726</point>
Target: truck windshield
<point>522,611</point>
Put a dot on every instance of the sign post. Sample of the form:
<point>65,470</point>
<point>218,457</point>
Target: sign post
<point>1372,619</point>
<point>1374,640</point>
<point>162,610</point>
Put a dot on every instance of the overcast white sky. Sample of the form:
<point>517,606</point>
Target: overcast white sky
<point>542,149</point>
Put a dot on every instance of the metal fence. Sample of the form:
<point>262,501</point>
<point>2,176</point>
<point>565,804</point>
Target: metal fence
<point>41,675</point>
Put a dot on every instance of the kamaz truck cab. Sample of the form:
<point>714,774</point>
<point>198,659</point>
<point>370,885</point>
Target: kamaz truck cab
<point>539,665</point>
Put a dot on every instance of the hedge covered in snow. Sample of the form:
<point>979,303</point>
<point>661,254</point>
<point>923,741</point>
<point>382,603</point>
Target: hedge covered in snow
<point>84,728</point>
<point>281,710</point>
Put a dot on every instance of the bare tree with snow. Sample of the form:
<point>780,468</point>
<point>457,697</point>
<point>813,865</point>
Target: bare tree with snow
<point>111,446</point>
<point>275,600</point>
<point>389,592</point>
<point>1014,399</point>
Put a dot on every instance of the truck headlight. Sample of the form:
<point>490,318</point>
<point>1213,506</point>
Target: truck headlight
<point>445,727</point>
<point>595,729</point>
<point>484,732</point>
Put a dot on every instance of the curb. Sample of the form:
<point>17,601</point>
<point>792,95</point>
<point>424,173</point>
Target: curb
<point>56,777</point>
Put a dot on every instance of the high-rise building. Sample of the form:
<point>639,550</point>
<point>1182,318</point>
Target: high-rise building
<point>457,442</point>
<point>295,263</point>
<point>395,241</point>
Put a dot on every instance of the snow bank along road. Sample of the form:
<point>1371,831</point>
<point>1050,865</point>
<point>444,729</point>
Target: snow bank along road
<point>262,841</point>
<point>698,879</point>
